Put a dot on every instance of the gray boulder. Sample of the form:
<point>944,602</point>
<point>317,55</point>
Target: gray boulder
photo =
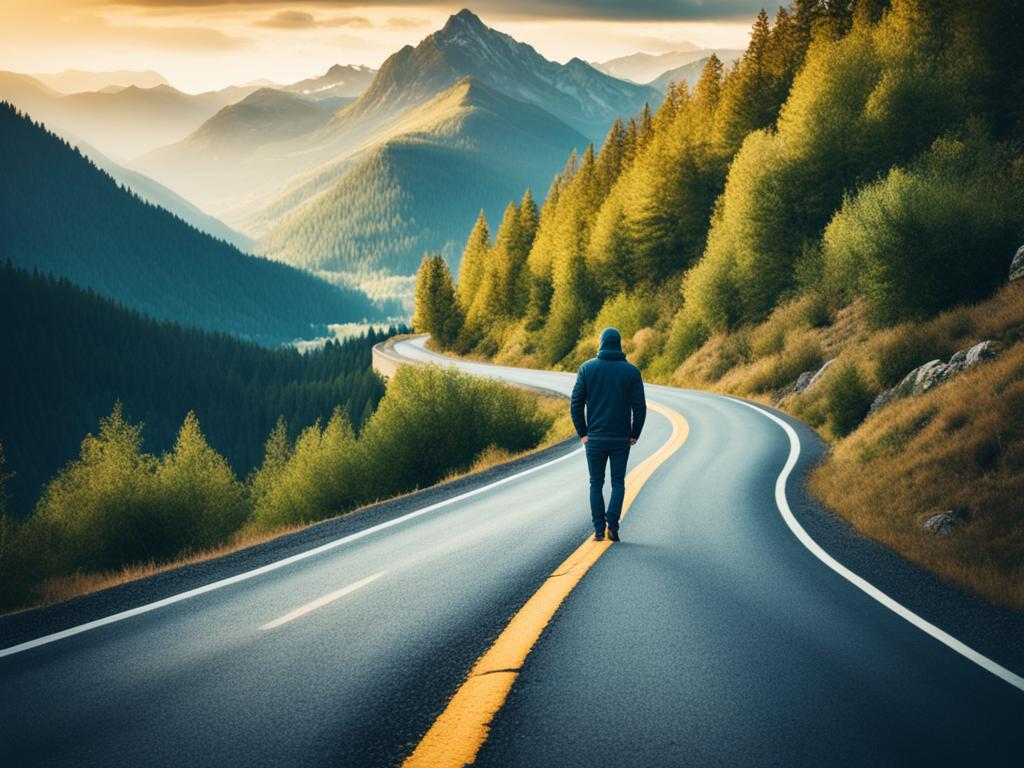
<point>941,524</point>
<point>933,373</point>
<point>1017,265</point>
<point>808,379</point>
<point>803,382</point>
<point>968,358</point>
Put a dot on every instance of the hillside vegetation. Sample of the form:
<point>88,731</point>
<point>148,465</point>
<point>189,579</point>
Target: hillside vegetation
<point>854,180</point>
<point>118,511</point>
<point>69,355</point>
<point>420,191</point>
<point>60,214</point>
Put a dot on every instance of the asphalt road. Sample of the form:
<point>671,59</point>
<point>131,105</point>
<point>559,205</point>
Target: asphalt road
<point>710,636</point>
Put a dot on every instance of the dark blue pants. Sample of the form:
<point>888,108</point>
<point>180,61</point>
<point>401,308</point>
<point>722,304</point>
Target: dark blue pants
<point>598,455</point>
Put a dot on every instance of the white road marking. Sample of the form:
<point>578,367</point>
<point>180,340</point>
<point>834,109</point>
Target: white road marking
<point>320,602</point>
<point>275,565</point>
<point>870,589</point>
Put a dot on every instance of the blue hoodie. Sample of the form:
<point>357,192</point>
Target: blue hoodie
<point>613,392</point>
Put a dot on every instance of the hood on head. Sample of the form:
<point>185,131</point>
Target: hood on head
<point>611,339</point>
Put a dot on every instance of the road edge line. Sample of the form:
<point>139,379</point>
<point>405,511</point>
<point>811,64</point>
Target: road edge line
<point>273,566</point>
<point>861,583</point>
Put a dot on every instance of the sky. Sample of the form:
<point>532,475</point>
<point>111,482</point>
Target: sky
<point>207,44</point>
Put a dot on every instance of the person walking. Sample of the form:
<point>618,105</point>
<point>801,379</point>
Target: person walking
<point>608,410</point>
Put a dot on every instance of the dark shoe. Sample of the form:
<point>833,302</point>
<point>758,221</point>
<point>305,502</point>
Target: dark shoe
<point>598,537</point>
<point>613,535</point>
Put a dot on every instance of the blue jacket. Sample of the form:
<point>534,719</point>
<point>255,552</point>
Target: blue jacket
<point>612,391</point>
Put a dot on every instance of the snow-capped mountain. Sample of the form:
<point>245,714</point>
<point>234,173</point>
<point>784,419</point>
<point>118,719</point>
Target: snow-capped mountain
<point>345,80</point>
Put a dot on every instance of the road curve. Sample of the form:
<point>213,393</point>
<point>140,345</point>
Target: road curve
<point>710,636</point>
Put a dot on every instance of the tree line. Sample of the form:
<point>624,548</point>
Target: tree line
<point>860,150</point>
<point>69,355</point>
<point>117,505</point>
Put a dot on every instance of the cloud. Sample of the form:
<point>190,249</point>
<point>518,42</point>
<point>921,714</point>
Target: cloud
<point>304,20</point>
<point>406,22</point>
<point>594,10</point>
<point>195,39</point>
<point>288,20</point>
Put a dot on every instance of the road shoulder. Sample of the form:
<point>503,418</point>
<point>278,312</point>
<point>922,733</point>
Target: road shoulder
<point>992,630</point>
<point>28,625</point>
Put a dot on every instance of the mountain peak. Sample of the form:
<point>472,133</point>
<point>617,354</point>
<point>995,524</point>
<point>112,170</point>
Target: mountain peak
<point>465,21</point>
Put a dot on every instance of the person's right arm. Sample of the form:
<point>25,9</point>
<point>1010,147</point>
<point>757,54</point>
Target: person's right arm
<point>577,403</point>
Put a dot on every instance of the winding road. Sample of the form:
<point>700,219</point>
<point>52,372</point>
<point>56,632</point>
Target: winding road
<point>716,633</point>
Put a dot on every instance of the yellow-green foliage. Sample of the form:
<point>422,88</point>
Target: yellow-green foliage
<point>436,420</point>
<point>903,242</point>
<point>432,422</point>
<point>437,310</point>
<point>116,504</point>
<point>199,489</point>
<point>319,478</point>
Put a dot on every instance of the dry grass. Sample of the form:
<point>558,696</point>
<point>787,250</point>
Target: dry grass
<point>59,589</point>
<point>959,447</point>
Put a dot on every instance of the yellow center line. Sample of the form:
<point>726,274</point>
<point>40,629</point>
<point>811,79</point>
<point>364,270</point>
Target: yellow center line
<point>461,729</point>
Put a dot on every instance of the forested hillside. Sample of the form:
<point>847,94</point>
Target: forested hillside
<point>69,355</point>
<point>419,191</point>
<point>855,152</point>
<point>59,214</point>
<point>821,227</point>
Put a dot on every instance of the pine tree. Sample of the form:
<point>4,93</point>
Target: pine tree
<point>205,497</point>
<point>610,161</point>
<point>709,87</point>
<point>750,98</point>
<point>644,127</point>
<point>501,276</point>
<point>529,221</point>
<point>437,309</point>
<point>570,307</point>
<point>474,259</point>
<point>276,453</point>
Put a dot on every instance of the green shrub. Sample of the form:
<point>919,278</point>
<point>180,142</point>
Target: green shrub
<point>116,505</point>
<point>321,477</point>
<point>908,347</point>
<point>923,239</point>
<point>103,508</point>
<point>199,491</point>
<point>434,421</point>
<point>629,312</point>
<point>847,399</point>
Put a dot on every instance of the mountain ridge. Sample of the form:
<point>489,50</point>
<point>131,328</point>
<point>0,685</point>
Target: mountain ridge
<point>450,136</point>
<point>144,257</point>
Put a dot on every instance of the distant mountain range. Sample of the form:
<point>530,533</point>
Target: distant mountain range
<point>340,80</point>
<point>468,117</point>
<point>646,67</point>
<point>60,214</point>
<point>122,123</point>
<point>208,165</point>
<point>77,80</point>
<point>355,171</point>
<point>687,73</point>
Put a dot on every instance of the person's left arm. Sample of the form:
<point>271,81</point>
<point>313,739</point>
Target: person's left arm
<point>639,408</point>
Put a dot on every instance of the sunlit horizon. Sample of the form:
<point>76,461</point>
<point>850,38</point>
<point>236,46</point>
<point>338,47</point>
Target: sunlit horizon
<point>209,45</point>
